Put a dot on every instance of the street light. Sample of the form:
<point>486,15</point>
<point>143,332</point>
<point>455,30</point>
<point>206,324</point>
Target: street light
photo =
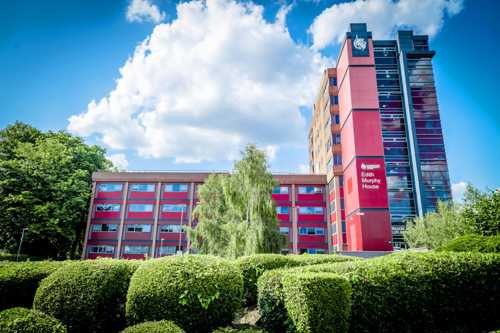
<point>20,243</point>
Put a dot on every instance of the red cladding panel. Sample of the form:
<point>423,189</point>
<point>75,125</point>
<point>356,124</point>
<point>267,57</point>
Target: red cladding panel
<point>369,231</point>
<point>372,184</point>
<point>279,197</point>
<point>99,255</point>
<point>142,195</point>
<point>137,236</point>
<point>104,235</point>
<point>310,197</point>
<point>175,195</point>
<point>107,215</point>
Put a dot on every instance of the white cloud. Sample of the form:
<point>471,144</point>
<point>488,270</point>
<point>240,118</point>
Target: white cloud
<point>119,161</point>
<point>458,191</point>
<point>199,88</point>
<point>142,10</point>
<point>383,17</point>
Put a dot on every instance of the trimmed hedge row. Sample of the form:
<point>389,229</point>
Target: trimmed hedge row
<point>198,292</point>
<point>21,320</point>
<point>473,243</point>
<point>318,302</point>
<point>87,296</point>
<point>408,292</point>
<point>254,266</point>
<point>19,281</point>
<point>162,326</point>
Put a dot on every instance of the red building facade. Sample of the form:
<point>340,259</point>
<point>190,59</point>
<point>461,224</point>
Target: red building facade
<point>135,215</point>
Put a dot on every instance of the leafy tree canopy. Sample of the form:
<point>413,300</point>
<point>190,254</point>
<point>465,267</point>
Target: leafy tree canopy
<point>479,214</point>
<point>45,186</point>
<point>236,213</point>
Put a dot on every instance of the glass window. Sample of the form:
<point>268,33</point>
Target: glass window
<point>333,81</point>
<point>312,251</point>
<point>107,207</point>
<point>166,250</point>
<point>106,249</point>
<point>310,189</point>
<point>336,139</point>
<point>280,190</point>
<point>174,208</point>
<point>334,100</point>
<point>311,210</point>
<point>171,228</point>
<point>284,230</point>
<point>337,119</point>
<point>140,208</point>
<point>138,227</point>
<point>104,227</point>
<point>282,210</point>
<point>311,231</point>
<point>142,187</point>
<point>176,188</point>
<point>136,249</point>
<point>337,159</point>
<point>110,187</point>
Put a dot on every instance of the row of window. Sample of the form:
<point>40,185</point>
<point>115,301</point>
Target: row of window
<point>114,187</point>
<point>301,190</point>
<point>141,208</point>
<point>136,228</point>
<point>131,249</point>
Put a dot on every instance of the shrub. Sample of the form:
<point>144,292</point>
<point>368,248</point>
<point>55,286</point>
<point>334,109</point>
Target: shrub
<point>197,292</point>
<point>19,281</point>
<point>253,266</point>
<point>473,243</point>
<point>162,326</point>
<point>425,292</point>
<point>317,302</point>
<point>271,301</point>
<point>87,296</point>
<point>21,320</point>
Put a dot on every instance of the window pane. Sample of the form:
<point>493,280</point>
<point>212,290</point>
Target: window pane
<point>141,208</point>
<point>284,230</point>
<point>280,190</point>
<point>129,249</point>
<point>138,227</point>
<point>110,187</point>
<point>176,188</point>
<point>142,187</point>
<point>103,249</point>
<point>104,227</point>
<point>171,228</point>
<point>164,250</point>
<point>174,208</point>
<point>311,210</point>
<point>107,207</point>
<point>282,210</point>
<point>310,189</point>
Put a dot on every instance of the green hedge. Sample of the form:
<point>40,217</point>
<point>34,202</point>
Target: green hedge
<point>271,301</point>
<point>162,326</point>
<point>21,320</point>
<point>87,296</point>
<point>239,329</point>
<point>473,243</point>
<point>318,302</point>
<point>417,292</point>
<point>254,266</point>
<point>19,281</point>
<point>197,292</point>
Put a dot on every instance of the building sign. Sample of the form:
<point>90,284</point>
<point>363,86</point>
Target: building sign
<point>372,183</point>
<point>360,45</point>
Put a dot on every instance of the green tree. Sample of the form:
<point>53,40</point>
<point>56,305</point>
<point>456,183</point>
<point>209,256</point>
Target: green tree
<point>437,228</point>
<point>482,210</point>
<point>45,185</point>
<point>236,214</point>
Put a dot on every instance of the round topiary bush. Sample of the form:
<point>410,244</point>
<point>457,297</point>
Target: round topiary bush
<point>162,326</point>
<point>87,296</point>
<point>19,281</point>
<point>21,320</point>
<point>197,292</point>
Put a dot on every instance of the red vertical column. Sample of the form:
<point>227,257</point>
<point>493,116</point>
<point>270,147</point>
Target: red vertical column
<point>365,189</point>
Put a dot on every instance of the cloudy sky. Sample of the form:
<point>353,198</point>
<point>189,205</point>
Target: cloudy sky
<point>183,86</point>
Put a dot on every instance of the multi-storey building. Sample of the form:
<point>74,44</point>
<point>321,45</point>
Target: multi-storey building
<point>376,134</point>
<point>141,214</point>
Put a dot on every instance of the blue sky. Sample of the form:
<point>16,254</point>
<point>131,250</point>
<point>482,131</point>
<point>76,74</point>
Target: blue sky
<point>219,75</point>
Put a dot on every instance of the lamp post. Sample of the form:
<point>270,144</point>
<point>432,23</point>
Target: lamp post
<point>20,244</point>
